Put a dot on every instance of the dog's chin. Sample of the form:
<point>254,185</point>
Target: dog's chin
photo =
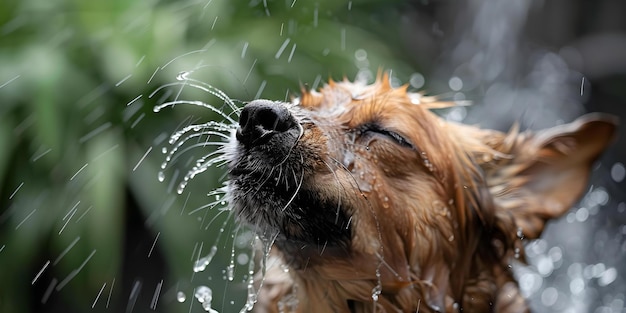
<point>290,217</point>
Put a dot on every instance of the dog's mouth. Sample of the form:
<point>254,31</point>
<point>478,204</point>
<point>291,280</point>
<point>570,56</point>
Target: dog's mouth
<point>272,186</point>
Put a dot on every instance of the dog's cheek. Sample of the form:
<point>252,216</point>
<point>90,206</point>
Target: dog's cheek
<point>394,162</point>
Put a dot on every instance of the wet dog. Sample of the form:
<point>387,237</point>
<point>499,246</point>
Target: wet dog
<point>368,201</point>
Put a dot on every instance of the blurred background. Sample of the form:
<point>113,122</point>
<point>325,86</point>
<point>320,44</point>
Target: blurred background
<point>86,226</point>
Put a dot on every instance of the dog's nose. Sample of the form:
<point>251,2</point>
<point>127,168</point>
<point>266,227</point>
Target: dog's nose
<point>260,119</point>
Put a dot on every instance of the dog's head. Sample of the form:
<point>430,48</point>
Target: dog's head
<point>364,186</point>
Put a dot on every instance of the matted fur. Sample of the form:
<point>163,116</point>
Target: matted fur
<point>434,210</point>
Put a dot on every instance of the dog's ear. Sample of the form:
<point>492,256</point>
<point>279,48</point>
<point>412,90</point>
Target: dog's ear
<point>539,176</point>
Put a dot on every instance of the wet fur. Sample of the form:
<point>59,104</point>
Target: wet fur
<point>374,203</point>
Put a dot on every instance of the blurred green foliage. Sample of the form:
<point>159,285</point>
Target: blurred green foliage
<point>76,160</point>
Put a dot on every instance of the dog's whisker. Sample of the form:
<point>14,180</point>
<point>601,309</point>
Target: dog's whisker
<point>203,104</point>
<point>175,154</point>
<point>220,129</point>
<point>349,221</point>
<point>295,193</point>
<point>338,210</point>
<point>324,247</point>
<point>263,182</point>
<point>197,169</point>
<point>292,146</point>
<point>354,179</point>
<point>388,267</point>
<point>190,82</point>
<point>213,91</point>
<point>209,205</point>
<point>211,157</point>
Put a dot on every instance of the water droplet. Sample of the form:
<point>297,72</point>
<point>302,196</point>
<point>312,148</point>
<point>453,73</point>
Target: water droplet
<point>251,299</point>
<point>427,162</point>
<point>417,80</point>
<point>161,176</point>
<point>202,263</point>
<point>181,187</point>
<point>545,266</point>
<point>530,283</point>
<point>458,114</point>
<point>164,150</point>
<point>451,238</point>
<point>204,295</point>
<point>618,172</point>
<point>577,285</point>
<point>376,292</point>
<point>549,296</point>
<point>582,214</point>
<point>230,272</point>
<point>181,297</point>
<point>243,258</point>
<point>607,277</point>
<point>555,254</point>
<point>360,55</point>
<point>455,83</point>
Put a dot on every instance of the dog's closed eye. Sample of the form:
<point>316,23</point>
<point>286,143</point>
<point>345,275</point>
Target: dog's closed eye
<point>369,130</point>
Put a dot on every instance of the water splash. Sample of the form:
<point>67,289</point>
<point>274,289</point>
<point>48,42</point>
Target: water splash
<point>180,138</point>
<point>251,298</point>
<point>204,295</point>
<point>202,263</point>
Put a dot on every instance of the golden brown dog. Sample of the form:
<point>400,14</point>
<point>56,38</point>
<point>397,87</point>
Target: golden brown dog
<point>371,203</point>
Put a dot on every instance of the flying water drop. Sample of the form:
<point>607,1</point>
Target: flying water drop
<point>230,272</point>
<point>181,297</point>
<point>204,295</point>
<point>202,263</point>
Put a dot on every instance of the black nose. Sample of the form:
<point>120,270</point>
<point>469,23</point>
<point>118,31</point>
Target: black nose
<point>260,119</point>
